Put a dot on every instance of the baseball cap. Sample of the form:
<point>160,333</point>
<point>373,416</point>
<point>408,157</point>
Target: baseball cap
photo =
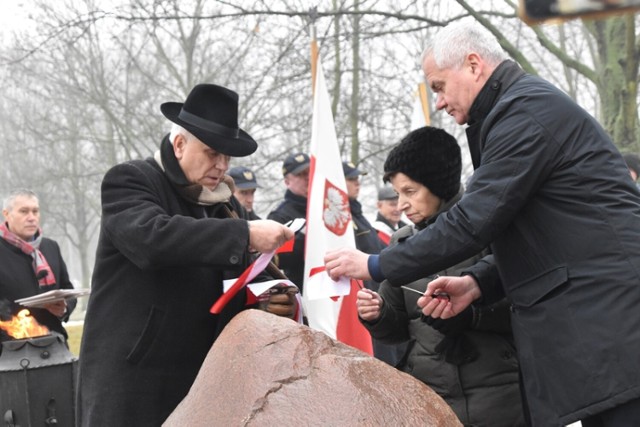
<point>244,178</point>
<point>350,170</point>
<point>295,163</point>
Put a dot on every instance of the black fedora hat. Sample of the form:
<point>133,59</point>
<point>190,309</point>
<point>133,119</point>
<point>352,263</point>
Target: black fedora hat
<point>210,113</point>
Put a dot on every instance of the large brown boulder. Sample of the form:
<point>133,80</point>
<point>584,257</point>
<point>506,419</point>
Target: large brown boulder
<point>266,370</point>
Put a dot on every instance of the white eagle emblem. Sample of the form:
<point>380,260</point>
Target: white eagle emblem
<point>336,213</point>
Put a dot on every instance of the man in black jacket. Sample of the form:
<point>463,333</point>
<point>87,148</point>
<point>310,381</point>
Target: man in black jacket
<point>367,240</point>
<point>245,186</point>
<point>388,217</point>
<point>31,264</point>
<point>553,198</point>
<point>295,170</point>
<point>171,232</point>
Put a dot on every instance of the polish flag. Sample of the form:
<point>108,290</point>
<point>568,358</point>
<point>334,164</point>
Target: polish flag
<point>329,306</point>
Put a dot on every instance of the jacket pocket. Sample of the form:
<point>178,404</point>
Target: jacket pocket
<point>532,291</point>
<point>149,333</point>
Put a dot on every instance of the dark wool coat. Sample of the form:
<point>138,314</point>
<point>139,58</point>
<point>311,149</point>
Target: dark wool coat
<point>159,268</point>
<point>18,280</point>
<point>553,197</point>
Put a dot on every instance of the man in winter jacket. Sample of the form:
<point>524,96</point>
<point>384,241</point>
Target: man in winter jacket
<point>246,184</point>
<point>367,240</point>
<point>171,233</point>
<point>553,198</point>
<point>295,170</point>
<point>388,216</point>
<point>30,264</point>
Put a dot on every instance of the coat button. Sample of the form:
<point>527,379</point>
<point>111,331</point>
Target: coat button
<point>234,259</point>
<point>506,355</point>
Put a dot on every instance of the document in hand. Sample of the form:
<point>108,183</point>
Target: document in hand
<point>52,296</point>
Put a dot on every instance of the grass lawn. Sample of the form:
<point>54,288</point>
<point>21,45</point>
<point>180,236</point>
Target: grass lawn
<point>75,334</point>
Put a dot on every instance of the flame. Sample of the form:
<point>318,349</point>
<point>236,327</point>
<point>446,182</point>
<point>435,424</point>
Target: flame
<point>23,325</point>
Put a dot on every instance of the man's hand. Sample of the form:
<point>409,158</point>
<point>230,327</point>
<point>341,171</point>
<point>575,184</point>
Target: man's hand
<point>347,262</point>
<point>368,304</point>
<point>266,235</point>
<point>461,291</point>
<point>58,308</point>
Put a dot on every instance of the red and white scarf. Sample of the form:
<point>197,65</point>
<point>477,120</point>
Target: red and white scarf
<point>41,267</point>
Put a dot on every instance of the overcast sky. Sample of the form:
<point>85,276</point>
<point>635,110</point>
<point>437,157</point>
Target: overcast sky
<point>12,15</point>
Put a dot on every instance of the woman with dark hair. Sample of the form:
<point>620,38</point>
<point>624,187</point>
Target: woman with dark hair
<point>470,359</point>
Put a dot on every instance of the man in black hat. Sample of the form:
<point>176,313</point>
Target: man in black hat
<point>295,170</point>
<point>170,234</point>
<point>388,217</point>
<point>245,185</point>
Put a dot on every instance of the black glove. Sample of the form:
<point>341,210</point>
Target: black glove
<point>453,326</point>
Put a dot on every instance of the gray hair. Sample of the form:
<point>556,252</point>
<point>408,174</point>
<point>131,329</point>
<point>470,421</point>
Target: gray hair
<point>176,130</point>
<point>451,45</point>
<point>20,192</point>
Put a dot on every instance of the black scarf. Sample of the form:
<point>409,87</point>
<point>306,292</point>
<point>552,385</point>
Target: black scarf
<point>194,193</point>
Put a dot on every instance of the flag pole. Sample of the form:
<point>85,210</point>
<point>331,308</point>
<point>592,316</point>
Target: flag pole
<point>424,101</point>
<point>313,15</point>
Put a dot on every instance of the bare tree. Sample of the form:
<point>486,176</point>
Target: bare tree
<point>84,84</point>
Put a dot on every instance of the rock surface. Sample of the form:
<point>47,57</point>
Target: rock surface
<point>266,370</point>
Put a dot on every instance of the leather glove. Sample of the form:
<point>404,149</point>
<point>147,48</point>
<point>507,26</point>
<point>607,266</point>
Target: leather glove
<point>453,326</point>
<point>281,301</point>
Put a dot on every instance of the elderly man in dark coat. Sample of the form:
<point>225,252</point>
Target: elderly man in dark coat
<point>170,234</point>
<point>30,263</point>
<point>553,198</point>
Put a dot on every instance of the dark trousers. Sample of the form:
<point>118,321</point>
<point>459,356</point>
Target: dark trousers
<point>625,415</point>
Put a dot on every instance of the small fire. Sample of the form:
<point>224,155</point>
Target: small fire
<point>23,325</point>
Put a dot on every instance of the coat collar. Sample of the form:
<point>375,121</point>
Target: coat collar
<point>500,80</point>
<point>295,199</point>
<point>502,77</point>
<point>355,206</point>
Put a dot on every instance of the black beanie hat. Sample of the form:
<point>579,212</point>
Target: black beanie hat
<point>429,156</point>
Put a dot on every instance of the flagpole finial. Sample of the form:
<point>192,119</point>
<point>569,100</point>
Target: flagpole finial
<point>313,14</point>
